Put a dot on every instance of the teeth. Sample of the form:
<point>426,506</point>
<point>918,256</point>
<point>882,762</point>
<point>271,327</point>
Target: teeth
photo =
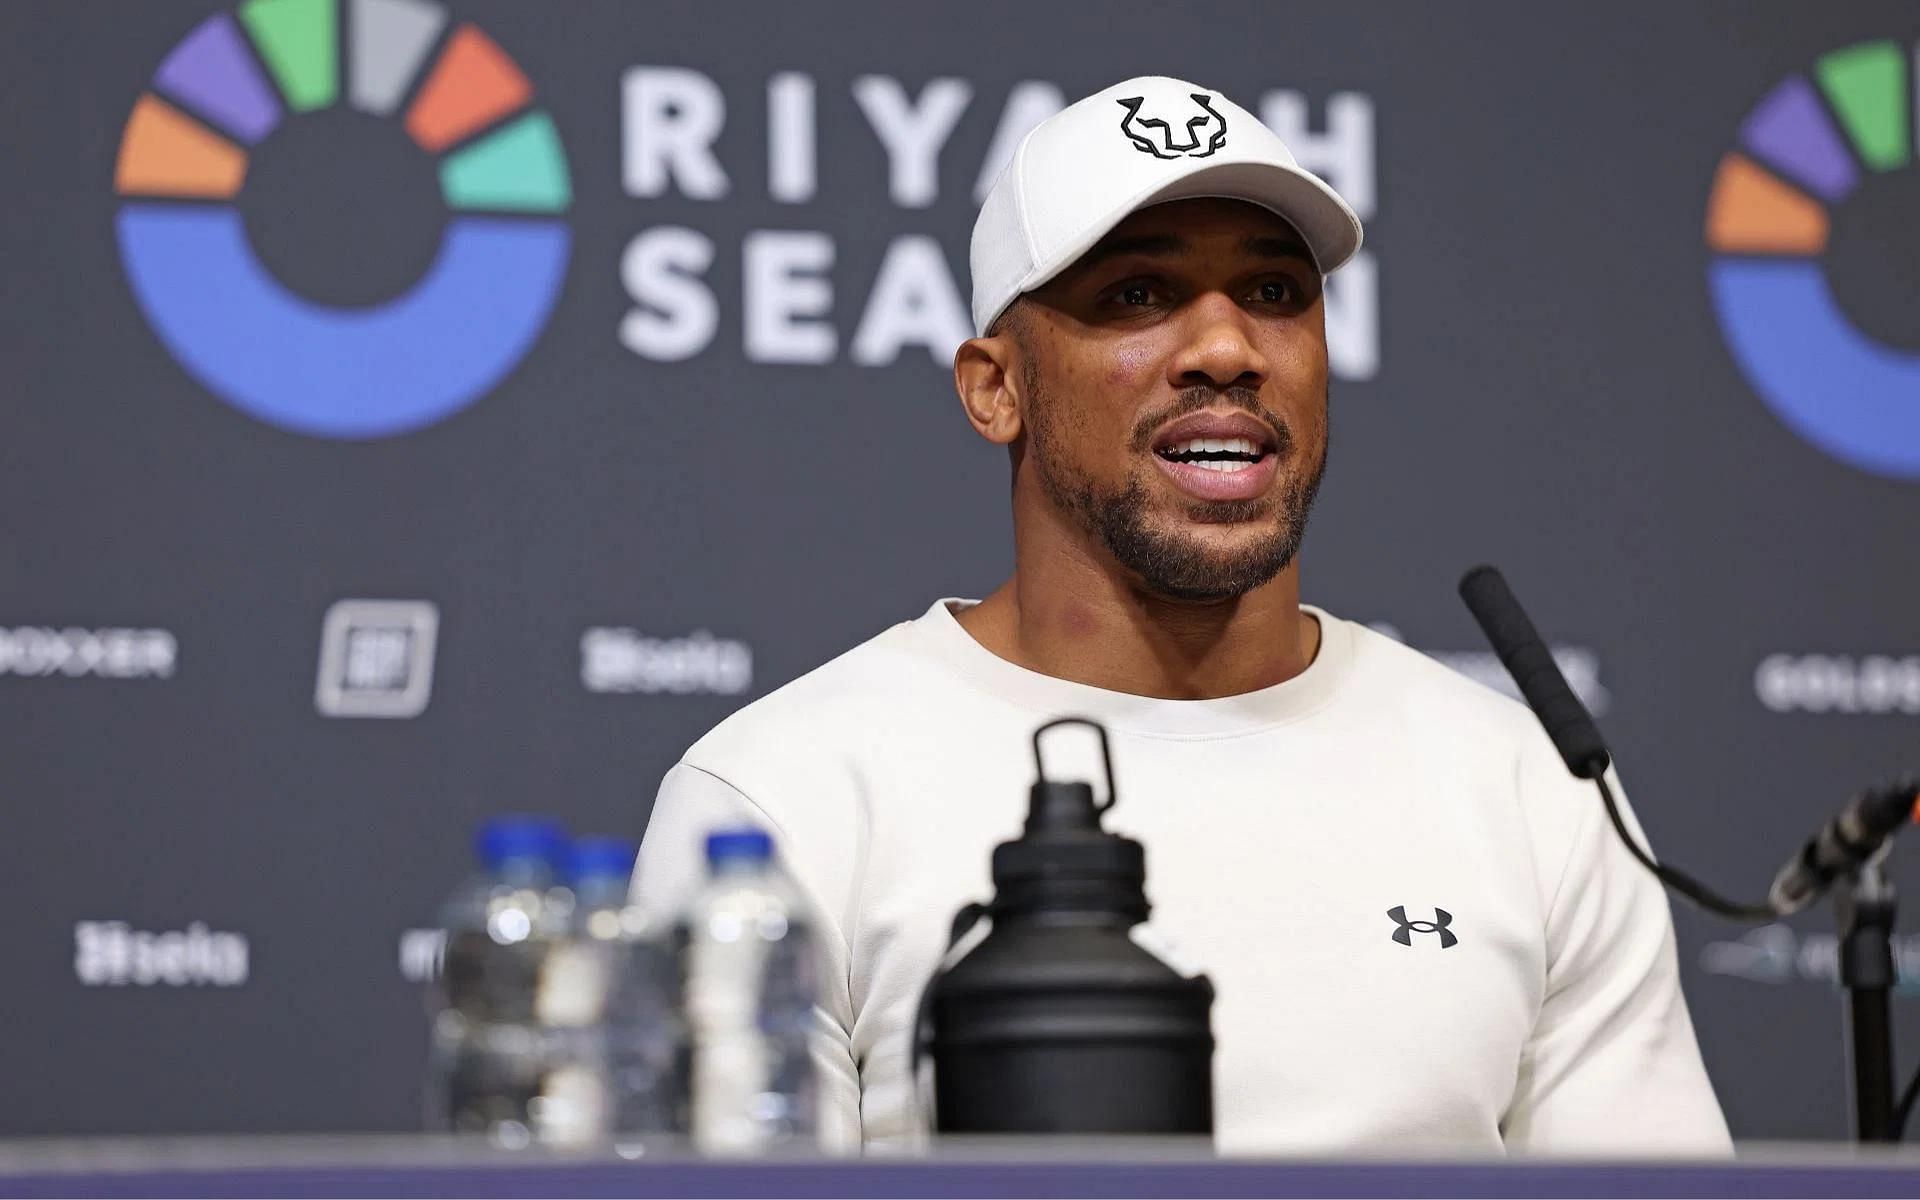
<point>1215,446</point>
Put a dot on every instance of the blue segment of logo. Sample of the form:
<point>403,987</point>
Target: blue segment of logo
<point>343,372</point>
<point>1847,394</point>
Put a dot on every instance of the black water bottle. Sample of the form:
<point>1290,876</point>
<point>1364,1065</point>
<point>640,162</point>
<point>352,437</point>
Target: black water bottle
<point>1057,1021</point>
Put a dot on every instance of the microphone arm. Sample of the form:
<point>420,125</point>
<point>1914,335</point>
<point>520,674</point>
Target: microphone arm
<point>1572,729</point>
<point>1845,853</point>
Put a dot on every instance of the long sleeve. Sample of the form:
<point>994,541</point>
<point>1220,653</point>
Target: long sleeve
<point>1612,1064</point>
<point>690,804</point>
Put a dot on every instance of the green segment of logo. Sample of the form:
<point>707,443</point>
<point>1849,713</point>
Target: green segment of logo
<point>1867,86</point>
<point>297,39</point>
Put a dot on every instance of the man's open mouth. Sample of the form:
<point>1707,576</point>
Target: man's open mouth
<point>1215,454</point>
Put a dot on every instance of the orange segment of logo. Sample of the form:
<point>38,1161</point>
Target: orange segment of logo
<point>473,85</point>
<point>1753,212</point>
<point>167,153</point>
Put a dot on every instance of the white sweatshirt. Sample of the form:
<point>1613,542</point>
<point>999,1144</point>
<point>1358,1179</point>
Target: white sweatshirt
<point>1283,829</point>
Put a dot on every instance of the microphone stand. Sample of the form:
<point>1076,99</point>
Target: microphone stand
<point>1864,904</point>
<point>1846,856</point>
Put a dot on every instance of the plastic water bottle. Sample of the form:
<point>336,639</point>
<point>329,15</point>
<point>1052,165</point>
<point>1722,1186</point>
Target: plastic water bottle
<point>748,973</point>
<point>488,1064</point>
<point>619,974</point>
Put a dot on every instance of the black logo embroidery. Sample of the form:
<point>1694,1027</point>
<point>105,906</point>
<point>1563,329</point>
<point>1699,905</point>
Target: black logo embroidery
<point>1154,135</point>
<point>1441,919</point>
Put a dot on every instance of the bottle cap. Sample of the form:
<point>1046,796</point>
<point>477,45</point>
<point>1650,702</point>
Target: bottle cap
<point>733,845</point>
<point>1064,861</point>
<point>601,857</point>
<point>510,837</point>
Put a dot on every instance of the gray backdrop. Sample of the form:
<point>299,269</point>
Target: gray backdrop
<point>210,882</point>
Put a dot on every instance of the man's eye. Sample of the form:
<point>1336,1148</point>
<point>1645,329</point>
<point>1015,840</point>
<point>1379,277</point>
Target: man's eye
<point>1136,293</point>
<point>1278,291</point>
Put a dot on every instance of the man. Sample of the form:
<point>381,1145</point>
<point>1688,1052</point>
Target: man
<point>1421,929</point>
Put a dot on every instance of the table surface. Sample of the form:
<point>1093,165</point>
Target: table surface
<point>423,1166</point>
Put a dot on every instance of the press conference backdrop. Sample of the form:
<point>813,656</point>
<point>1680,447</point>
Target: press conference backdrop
<point>418,410</point>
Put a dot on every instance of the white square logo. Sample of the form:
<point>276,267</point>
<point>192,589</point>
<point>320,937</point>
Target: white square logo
<point>376,658</point>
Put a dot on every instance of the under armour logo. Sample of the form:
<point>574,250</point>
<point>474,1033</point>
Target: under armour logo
<point>1441,919</point>
<point>1154,135</point>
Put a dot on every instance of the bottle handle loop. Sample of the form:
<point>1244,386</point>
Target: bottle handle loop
<point>1106,754</point>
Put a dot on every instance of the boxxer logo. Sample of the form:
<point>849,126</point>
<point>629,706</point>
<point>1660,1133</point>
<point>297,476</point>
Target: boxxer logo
<point>1154,135</point>
<point>1441,919</point>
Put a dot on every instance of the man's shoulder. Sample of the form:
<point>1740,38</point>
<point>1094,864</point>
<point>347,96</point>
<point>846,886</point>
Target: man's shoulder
<point>819,712</point>
<point>1388,672</point>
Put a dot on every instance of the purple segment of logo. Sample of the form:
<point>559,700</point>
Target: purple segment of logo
<point>211,72</point>
<point>1790,131</point>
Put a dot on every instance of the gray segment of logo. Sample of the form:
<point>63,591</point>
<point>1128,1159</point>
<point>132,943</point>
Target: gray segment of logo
<point>389,39</point>
<point>412,624</point>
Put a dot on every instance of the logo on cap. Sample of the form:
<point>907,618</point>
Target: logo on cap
<point>1154,135</point>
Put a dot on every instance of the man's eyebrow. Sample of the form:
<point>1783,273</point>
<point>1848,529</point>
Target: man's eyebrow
<point>1150,245</point>
<point>1159,245</point>
<point>1276,247</point>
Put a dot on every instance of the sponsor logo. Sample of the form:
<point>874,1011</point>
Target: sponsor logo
<point>376,658</point>
<point>318,83</point>
<point>1200,134</point>
<point>792,303</point>
<point>37,652</point>
<point>1777,954</point>
<point>623,660</point>
<point>219,99</point>
<point>1807,148</point>
<point>1442,919</point>
<point>114,954</point>
<point>1579,664</point>
<point>1870,684</point>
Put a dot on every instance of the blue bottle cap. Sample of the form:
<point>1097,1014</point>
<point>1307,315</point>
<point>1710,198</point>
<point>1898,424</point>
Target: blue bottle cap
<point>738,845</point>
<point>602,857</point>
<point>510,837</point>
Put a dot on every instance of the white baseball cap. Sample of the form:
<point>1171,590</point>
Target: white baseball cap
<point>1143,142</point>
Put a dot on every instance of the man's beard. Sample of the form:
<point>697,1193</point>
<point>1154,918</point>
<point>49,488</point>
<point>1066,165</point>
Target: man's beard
<point>1172,565</point>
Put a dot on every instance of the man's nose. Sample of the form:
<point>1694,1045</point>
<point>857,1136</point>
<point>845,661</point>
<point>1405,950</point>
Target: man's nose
<point>1219,349</point>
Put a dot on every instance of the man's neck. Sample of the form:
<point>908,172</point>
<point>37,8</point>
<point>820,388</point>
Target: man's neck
<point>1074,617</point>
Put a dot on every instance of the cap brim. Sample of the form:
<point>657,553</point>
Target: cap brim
<point>1331,229</point>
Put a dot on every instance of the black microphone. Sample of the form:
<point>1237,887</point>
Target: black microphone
<point>1531,664</point>
<point>1566,721</point>
<point>1844,844</point>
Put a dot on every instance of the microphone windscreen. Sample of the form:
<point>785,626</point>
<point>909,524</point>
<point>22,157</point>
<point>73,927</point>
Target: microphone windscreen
<point>1528,660</point>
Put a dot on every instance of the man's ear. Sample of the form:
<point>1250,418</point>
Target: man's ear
<point>984,374</point>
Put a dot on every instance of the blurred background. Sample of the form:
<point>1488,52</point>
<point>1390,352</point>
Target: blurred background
<point>411,411</point>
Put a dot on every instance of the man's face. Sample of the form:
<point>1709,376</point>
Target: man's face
<point>1175,384</point>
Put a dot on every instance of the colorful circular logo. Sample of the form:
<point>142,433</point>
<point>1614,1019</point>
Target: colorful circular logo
<point>1804,149</point>
<point>321,369</point>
